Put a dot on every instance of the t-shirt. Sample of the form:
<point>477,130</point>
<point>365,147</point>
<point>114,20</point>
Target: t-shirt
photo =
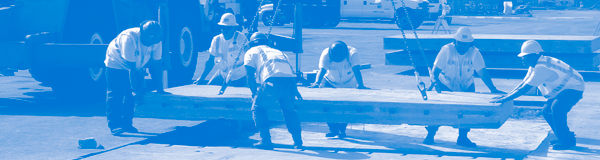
<point>268,62</point>
<point>226,52</point>
<point>340,74</point>
<point>127,47</point>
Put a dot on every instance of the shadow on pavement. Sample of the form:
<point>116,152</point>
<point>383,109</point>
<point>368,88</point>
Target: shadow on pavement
<point>544,147</point>
<point>46,104</point>
<point>411,145</point>
<point>229,133</point>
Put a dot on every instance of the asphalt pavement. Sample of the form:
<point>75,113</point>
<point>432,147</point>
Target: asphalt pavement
<point>37,125</point>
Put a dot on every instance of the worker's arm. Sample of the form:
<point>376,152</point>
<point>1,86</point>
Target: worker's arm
<point>134,81</point>
<point>156,72</point>
<point>208,66</point>
<point>319,79</point>
<point>251,79</point>
<point>436,80</point>
<point>358,76</point>
<point>485,77</point>
<point>513,95</point>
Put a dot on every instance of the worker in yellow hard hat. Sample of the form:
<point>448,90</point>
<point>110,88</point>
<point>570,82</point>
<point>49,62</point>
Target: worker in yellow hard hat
<point>226,54</point>
<point>453,70</point>
<point>558,82</point>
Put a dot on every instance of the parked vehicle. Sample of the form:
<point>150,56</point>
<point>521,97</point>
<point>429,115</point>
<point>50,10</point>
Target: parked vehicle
<point>63,42</point>
<point>418,10</point>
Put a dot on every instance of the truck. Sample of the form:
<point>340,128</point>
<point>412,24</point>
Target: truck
<point>327,13</point>
<point>63,42</point>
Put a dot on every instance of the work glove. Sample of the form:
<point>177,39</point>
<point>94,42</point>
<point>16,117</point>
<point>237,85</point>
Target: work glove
<point>497,91</point>
<point>314,85</point>
<point>500,100</point>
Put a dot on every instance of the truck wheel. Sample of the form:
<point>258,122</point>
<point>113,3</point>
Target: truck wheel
<point>183,51</point>
<point>309,21</point>
<point>332,22</point>
<point>402,20</point>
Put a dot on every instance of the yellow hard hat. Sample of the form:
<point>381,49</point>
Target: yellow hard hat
<point>530,47</point>
<point>464,35</point>
<point>228,19</point>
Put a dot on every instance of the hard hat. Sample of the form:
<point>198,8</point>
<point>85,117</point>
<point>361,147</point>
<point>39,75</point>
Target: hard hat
<point>258,36</point>
<point>464,35</point>
<point>530,47</point>
<point>228,19</point>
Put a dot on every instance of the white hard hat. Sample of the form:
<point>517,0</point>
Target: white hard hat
<point>228,19</point>
<point>464,35</point>
<point>530,47</point>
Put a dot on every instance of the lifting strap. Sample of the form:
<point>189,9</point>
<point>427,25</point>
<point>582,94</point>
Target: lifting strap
<point>420,83</point>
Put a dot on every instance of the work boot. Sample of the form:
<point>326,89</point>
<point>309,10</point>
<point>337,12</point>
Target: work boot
<point>130,129</point>
<point>342,135</point>
<point>465,142</point>
<point>117,131</point>
<point>332,134</point>
<point>297,141</point>
<point>428,140</point>
<point>266,145</point>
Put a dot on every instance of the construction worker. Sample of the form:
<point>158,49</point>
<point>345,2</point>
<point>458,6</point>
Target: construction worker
<point>340,67</point>
<point>126,57</point>
<point>558,82</point>
<point>226,53</point>
<point>453,70</point>
<point>277,84</point>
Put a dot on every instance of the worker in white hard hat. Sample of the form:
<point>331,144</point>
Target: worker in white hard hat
<point>340,68</point>
<point>453,70</point>
<point>277,86</point>
<point>126,57</point>
<point>227,55</point>
<point>558,82</point>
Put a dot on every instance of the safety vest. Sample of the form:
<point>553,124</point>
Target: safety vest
<point>458,77</point>
<point>566,76</point>
<point>228,61</point>
<point>272,65</point>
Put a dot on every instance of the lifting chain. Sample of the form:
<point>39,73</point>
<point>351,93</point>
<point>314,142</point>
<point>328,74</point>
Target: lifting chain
<point>420,83</point>
<point>247,42</point>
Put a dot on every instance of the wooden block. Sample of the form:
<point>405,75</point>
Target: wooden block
<point>500,43</point>
<point>457,109</point>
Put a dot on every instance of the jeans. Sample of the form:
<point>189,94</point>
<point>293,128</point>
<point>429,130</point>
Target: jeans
<point>119,98</point>
<point>555,113</point>
<point>273,90</point>
<point>461,131</point>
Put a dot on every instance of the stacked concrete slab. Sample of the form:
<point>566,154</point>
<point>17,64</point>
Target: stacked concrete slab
<point>499,51</point>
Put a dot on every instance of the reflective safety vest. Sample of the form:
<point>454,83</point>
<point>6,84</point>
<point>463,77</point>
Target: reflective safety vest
<point>228,60</point>
<point>567,76</point>
<point>458,77</point>
<point>272,65</point>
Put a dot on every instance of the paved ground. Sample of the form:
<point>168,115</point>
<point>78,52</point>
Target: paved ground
<point>35,125</point>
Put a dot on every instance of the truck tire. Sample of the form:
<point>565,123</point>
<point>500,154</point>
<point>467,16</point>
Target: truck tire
<point>331,22</point>
<point>183,46</point>
<point>402,20</point>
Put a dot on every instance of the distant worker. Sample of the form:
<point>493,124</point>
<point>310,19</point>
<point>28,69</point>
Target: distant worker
<point>453,70</point>
<point>227,54</point>
<point>558,82</point>
<point>277,85</point>
<point>126,57</point>
<point>340,67</point>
